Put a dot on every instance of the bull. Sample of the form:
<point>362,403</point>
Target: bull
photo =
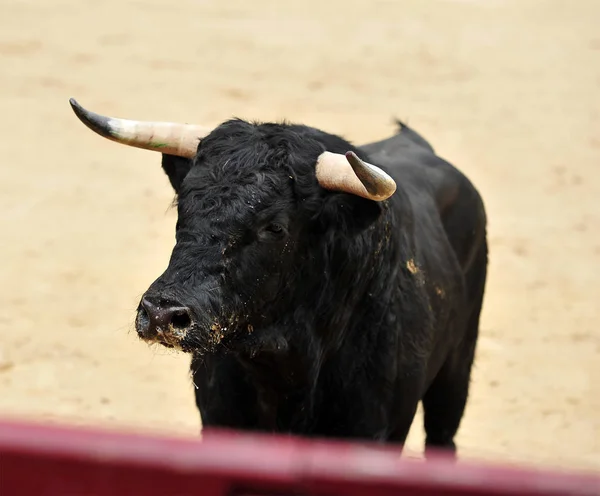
<point>318,294</point>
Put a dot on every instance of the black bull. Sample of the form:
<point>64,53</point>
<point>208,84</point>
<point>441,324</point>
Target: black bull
<point>318,312</point>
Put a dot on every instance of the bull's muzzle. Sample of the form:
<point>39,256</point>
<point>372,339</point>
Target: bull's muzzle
<point>162,322</point>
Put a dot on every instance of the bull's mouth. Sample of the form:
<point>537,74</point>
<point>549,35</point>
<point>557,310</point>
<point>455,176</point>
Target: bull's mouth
<point>171,337</point>
<point>197,340</point>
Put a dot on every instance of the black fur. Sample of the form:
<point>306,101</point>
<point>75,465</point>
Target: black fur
<point>321,313</point>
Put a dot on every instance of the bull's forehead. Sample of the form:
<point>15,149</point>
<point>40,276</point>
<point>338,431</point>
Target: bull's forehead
<point>239,171</point>
<point>226,197</point>
<point>253,188</point>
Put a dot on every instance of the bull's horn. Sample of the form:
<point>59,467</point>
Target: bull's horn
<point>165,137</point>
<point>350,174</point>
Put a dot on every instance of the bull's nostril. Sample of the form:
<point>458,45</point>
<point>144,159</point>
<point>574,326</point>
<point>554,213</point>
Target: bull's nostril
<point>142,322</point>
<point>157,319</point>
<point>181,319</point>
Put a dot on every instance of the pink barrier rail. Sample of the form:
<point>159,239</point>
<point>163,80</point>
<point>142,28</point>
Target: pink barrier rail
<point>51,460</point>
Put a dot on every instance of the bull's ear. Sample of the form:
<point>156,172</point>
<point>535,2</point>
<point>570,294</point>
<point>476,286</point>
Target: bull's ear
<point>176,169</point>
<point>350,213</point>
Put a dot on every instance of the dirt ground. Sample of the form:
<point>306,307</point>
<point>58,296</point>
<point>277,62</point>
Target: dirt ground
<point>507,90</point>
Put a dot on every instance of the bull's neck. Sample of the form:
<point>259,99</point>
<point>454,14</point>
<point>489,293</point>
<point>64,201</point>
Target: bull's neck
<point>284,372</point>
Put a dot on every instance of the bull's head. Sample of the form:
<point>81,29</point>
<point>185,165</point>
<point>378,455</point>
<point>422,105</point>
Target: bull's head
<point>252,223</point>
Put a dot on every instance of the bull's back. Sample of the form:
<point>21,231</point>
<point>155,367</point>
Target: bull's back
<point>437,190</point>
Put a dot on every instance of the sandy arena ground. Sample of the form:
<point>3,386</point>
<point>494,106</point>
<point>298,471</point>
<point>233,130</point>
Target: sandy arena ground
<point>507,90</point>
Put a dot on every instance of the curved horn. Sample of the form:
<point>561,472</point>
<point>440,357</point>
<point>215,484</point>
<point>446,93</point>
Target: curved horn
<point>350,174</point>
<point>165,137</point>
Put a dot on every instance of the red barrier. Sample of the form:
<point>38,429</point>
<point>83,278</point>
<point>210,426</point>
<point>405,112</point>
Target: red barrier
<point>38,459</point>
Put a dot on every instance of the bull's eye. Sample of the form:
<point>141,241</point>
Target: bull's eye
<point>275,228</point>
<point>273,231</point>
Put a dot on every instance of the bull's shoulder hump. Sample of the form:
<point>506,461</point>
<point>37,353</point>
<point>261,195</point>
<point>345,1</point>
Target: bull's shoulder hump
<point>405,138</point>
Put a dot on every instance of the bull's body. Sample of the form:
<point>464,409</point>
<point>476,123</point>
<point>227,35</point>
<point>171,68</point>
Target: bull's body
<point>317,295</point>
<point>400,323</point>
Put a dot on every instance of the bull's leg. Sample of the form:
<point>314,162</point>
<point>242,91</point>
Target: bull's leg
<point>406,403</point>
<point>445,400</point>
<point>368,407</point>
